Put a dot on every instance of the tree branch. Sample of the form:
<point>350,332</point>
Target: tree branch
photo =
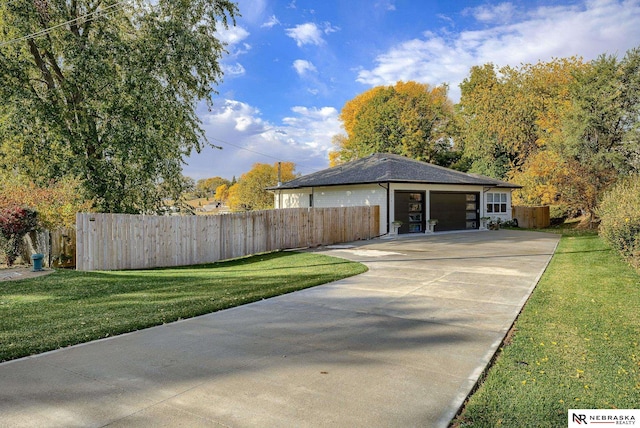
<point>52,62</point>
<point>72,13</point>
<point>42,66</point>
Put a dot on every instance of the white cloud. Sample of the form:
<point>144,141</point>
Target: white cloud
<point>445,18</point>
<point>323,113</point>
<point>271,22</point>
<point>303,67</point>
<point>596,27</point>
<point>385,5</point>
<point>313,128</point>
<point>235,116</point>
<point>252,10</point>
<point>310,34</point>
<point>233,70</point>
<point>306,34</point>
<point>232,35</point>
<point>328,28</point>
<point>304,137</point>
<point>495,13</point>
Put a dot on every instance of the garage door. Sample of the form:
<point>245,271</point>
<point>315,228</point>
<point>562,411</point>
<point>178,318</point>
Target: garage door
<point>454,210</point>
<point>410,209</point>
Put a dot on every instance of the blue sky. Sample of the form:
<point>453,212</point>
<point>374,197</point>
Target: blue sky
<point>292,64</point>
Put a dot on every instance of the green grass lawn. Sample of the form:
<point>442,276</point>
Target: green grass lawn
<point>575,345</point>
<point>69,307</point>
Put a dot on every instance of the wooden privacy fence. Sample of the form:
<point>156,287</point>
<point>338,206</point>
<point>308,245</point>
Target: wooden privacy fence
<point>57,246</point>
<point>532,217</point>
<point>123,241</point>
<point>63,247</point>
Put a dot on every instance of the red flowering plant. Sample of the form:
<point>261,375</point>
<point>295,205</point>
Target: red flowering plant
<point>15,223</point>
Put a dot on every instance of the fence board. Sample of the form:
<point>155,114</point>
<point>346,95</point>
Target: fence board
<point>62,247</point>
<point>532,217</point>
<point>123,241</point>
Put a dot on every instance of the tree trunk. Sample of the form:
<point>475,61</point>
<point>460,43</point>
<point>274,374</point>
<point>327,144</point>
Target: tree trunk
<point>37,242</point>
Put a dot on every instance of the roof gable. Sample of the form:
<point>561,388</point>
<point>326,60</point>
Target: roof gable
<point>389,168</point>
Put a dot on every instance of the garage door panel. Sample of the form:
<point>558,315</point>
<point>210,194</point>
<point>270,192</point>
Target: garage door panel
<point>454,211</point>
<point>409,209</point>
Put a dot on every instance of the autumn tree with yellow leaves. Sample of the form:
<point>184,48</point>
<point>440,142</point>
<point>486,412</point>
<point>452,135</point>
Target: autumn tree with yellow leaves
<point>410,119</point>
<point>566,129</point>
<point>506,115</point>
<point>250,193</point>
<point>206,187</point>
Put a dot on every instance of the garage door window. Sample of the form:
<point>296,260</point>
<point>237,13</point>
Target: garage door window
<point>409,209</point>
<point>496,202</point>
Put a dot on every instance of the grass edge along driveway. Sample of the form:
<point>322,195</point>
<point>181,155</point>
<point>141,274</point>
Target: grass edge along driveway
<point>574,346</point>
<point>70,307</point>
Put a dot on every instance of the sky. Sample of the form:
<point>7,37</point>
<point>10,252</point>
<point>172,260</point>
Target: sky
<point>291,65</point>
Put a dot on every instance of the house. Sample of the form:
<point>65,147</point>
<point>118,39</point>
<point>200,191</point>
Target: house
<point>407,191</point>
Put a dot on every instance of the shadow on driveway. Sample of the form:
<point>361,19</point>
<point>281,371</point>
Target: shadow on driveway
<point>400,345</point>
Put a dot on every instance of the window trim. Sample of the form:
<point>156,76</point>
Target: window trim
<point>496,203</point>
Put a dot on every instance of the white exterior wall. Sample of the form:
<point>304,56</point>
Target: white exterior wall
<point>355,195</point>
<point>336,196</point>
<point>373,194</point>
<point>292,198</point>
<point>494,216</point>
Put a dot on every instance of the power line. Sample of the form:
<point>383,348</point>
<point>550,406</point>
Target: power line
<point>87,17</point>
<point>298,164</point>
<point>244,148</point>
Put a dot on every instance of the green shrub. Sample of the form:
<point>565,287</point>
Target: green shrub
<point>619,212</point>
<point>558,213</point>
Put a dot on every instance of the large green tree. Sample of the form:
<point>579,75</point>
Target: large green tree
<point>106,91</point>
<point>599,139</point>
<point>507,114</point>
<point>410,119</point>
<point>565,129</point>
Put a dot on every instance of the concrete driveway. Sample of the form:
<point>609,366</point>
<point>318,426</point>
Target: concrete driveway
<point>401,345</point>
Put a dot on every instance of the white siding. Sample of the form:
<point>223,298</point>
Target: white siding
<point>336,196</point>
<point>345,196</point>
<point>502,216</point>
<point>293,198</point>
<point>356,195</point>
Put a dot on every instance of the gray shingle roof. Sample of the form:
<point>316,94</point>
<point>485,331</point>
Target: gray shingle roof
<point>385,168</point>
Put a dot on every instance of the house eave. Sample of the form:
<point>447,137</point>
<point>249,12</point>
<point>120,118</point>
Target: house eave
<point>355,183</point>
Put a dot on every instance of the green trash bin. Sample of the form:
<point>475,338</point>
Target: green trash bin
<point>36,260</point>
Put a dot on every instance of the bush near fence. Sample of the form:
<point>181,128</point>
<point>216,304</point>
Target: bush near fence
<point>123,241</point>
<point>619,214</point>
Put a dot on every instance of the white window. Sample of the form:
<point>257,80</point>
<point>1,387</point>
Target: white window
<point>496,203</point>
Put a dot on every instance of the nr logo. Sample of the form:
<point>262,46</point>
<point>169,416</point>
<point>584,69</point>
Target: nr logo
<point>579,419</point>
